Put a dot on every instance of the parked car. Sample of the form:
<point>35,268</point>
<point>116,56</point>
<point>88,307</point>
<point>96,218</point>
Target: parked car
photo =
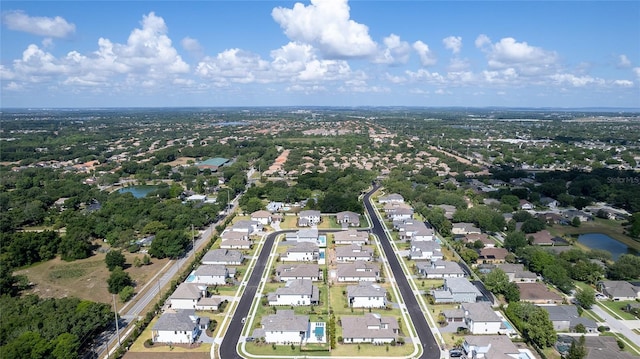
<point>455,353</point>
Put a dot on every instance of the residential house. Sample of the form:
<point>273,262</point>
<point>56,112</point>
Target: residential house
<point>492,255</point>
<point>286,272</point>
<point>456,290</point>
<point>517,273</point>
<point>308,218</point>
<point>465,228</point>
<point>366,295</point>
<point>274,206</point>
<point>223,256</point>
<point>264,217</point>
<point>549,202</point>
<point>538,293</point>
<point>186,296</point>
<point>482,237</point>
<point>396,211</point>
<point>490,347</point>
<point>541,238</point>
<point>301,252</point>
<point>235,244</point>
<point>212,274</point>
<point>481,319</point>
<point>247,226</point>
<point>415,231</point>
<point>455,315</point>
<point>351,236</point>
<point>351,219</point>
<point>449,210</point>
<point>358,272</point>
<point>566,317</point>
<point>303,235</point>
<point>295,292</point>
<point>440,269</point>
<point>178,327</point>
<point>525,205</point>
<point>425,250</point>
<point>391,198</point>
<point>372,328</point>
<point>619,290</point>
<point>229,234</point>
<point>604,347</point>
<point>354,252</point>
<point>570,214</point>
<point>284,327</point>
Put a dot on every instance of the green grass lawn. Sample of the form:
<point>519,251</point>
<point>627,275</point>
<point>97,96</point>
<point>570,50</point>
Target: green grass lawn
<point>616,308</point>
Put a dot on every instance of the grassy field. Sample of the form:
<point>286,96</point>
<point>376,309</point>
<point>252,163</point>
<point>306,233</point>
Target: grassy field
<point>611,228</point>
<point>615,307</point>
<point>85,278</point>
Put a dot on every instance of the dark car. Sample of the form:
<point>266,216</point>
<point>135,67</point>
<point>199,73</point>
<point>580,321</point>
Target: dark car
<point>455,353</point>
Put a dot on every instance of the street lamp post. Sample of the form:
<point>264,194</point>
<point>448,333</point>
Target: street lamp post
<point>115,312</point>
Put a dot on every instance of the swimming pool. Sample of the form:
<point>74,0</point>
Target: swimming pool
<point>507,325</point>
<point>191,278</point>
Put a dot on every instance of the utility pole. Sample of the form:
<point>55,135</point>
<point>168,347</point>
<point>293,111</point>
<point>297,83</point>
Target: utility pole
<point>115,312</point>
<point>193,240</point>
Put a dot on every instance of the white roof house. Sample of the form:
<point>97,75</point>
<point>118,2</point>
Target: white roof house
<point>295,292</point>
<point>366,295</point>
<point>283,327</point>
<point>372,328</point>
<point>301,252</point>
<point>351,236</point>
<point>358,272</point>
<point>223,256</point>
<point>287,272</point>
<point>178,326</point>
<point>214,274</point>
<point>481,319</point>
<point>425,250</point>
<point>440,269</point>
<point>354,252</point>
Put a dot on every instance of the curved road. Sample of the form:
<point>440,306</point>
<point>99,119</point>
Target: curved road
<point>232,335</point>
<point>429,344</point>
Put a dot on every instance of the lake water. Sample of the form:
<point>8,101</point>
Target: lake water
<point>603,241</point>
<point>138,191</point>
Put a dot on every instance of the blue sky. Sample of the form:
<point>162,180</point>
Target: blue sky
<point>320,53</point>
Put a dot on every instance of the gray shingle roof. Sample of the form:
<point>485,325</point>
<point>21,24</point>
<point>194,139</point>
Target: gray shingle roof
<point>365,290</point>
<point>480,312</point>
<point>286,321</point>
<point>359,327</point>
<point>179,319</point>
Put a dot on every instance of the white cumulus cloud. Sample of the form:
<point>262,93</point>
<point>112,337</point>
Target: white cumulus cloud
<point>193,47</point>
<point>527,59</point>
<point>396,51</point>
<point>453,43</point>
<point>326,24</point>
<point>38,25</point>
<point>427,57</point>
<point>623,61</point>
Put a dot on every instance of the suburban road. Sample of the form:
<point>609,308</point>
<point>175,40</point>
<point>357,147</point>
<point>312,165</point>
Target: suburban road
<point>429,344</point>
<point>229,343</point>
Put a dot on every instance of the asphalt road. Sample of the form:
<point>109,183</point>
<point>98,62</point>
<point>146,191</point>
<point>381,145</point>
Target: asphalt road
<point>430,346</point>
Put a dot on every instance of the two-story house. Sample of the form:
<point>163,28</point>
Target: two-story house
<point>301,252</point>
<point>295,292</point>
<point>366,295</point>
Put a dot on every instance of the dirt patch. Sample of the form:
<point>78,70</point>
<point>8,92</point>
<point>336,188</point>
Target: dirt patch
<point>180,161</point>
<point>85,278</point>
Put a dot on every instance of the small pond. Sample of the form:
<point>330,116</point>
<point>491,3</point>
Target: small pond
<point>603,241</point>
<point>138,191</point>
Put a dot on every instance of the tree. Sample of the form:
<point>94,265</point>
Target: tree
<point>515,240</point>
<point>118,280</point>
<point>575,222</point>
<point>496,280</point>
<point>532,225</point>
<point>511,292</point>
<point>533,322</point>
<point>115,259</point>
<point>469,255</point>
<point>625,268</point>
<point>169,243</point>
<point>66,346</point>
<point>577,350</point>
<point>252,205</point>
<point>126,293</point>
<point>586,297</point>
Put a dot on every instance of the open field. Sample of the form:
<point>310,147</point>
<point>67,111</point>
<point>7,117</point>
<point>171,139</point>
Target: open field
<point>85,278</point>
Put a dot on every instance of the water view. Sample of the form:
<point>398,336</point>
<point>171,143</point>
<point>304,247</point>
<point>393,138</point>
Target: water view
<point>603,241</point>
<point>138,191</point>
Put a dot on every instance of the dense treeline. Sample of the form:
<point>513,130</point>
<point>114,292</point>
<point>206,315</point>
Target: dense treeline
<point>332,191</point>
<point>32,327</point>
<point>533,322</point>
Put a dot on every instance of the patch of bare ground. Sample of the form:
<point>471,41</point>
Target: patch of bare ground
<point>86,278</point>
